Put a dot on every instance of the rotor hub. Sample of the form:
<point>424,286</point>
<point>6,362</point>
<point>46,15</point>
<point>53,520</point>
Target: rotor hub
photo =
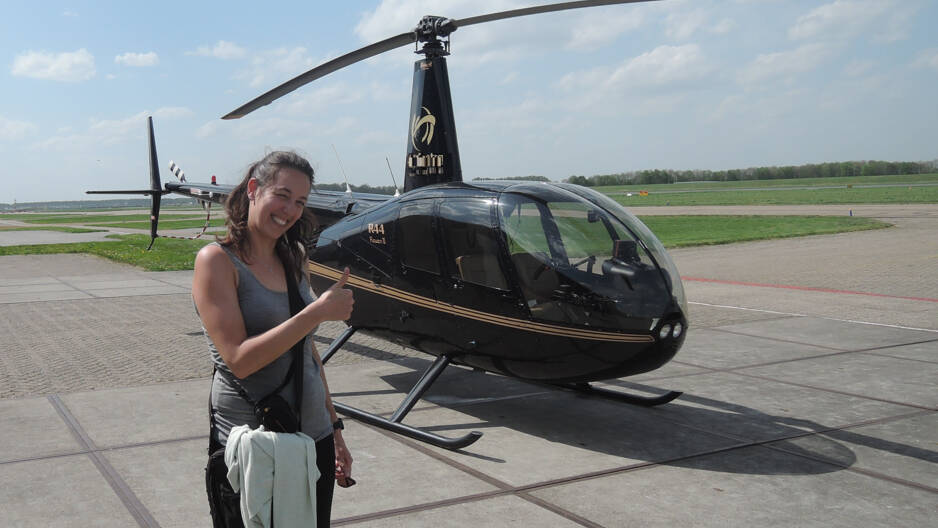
<point>431,28</point>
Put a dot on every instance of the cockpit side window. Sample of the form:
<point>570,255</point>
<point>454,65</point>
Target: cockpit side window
<point>470,241</point>
<point>526,224</point>
<point>417,246</point>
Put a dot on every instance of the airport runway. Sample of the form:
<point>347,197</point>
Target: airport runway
<point>810,399</point>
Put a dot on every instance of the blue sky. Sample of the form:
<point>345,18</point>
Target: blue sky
<point>678,84</point>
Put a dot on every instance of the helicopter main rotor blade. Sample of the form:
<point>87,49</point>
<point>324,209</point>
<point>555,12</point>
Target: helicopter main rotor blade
<point>321,71</point>
<point>438,26</point>
<point>563,6</point>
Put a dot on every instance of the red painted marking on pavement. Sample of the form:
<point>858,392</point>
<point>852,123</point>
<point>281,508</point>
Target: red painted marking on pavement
<point>807,288</point>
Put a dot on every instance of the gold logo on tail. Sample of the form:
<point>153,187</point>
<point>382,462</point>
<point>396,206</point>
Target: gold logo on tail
<point>427,123</point>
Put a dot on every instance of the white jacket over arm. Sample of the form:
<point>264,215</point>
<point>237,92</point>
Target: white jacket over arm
<point>273,470</point>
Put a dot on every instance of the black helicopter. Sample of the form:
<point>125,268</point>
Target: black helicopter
<point>554,283</point>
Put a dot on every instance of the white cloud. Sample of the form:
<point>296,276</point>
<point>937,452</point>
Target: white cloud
<point>654,82</point>
<point>221,50</point>
<point>207,130</point>
<point>885,20</point>
<point>682,24</point>
<point>661,67</point>
<point>69,13</point>
<point>770,66</point>
<point>597,28</point>
<point>927,59</point>
<point>279,64</point>
<point>172,112</point>
<point>857,68</point>
<point>11,129</point>
<point>138,59</point>
<point>72,66</point>
<point>106,132</point>
<point>311,101</point>
<point>510,78</point>
<point>723,27</point>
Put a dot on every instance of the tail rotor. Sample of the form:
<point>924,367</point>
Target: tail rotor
<point>155,187</point>
<point>155,192</point>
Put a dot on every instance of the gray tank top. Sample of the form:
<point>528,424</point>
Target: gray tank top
<point>263,309</point>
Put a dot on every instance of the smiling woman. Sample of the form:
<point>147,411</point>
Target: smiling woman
<point>254,300</point>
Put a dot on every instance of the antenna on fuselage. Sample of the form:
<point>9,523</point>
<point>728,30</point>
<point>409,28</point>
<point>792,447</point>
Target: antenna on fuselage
<point>397,191</point>
<point>348,188</point>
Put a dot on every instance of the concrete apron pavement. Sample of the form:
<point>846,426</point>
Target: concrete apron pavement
<point>803,407</point>
<point>771,431</point>
<point>784,420</point>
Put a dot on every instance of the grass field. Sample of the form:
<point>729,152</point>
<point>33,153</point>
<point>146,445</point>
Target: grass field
<point>167,254</point>
<point>166,224</point>
<point>871,195</point>
<point>897,179</point>
<point>93,218</point>
<point>673,231</point>
<point>62,229</point>
<point>681,231</point>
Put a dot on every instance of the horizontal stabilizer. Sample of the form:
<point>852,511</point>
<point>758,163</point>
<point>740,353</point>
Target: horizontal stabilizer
<point>136,191</point>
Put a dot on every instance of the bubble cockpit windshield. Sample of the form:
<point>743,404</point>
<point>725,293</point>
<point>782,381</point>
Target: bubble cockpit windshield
<point>578,263</point>
<point>641,230</point>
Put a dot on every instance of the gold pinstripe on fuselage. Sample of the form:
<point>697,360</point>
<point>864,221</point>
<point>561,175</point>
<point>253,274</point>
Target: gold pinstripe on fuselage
<point>510,322</point>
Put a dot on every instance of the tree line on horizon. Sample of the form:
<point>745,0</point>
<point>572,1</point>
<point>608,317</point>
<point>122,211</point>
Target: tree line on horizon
<point>811,170</point>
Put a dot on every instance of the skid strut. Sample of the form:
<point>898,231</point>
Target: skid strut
<point>644,401</point>
<point>394,423</point>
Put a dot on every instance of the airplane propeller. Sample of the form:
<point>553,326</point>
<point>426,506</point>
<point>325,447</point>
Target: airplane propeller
<point>428,30</point>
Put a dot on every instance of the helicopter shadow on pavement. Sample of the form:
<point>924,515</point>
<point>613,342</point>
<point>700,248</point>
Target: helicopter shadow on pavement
<point>522,422</point>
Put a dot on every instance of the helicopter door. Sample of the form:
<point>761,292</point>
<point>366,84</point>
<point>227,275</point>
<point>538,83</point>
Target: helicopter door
<point>417,249</point>
<point>471,251</point>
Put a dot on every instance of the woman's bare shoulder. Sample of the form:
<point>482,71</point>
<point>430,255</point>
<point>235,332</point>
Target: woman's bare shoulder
<point>213,255</point>
<point>213,260</point>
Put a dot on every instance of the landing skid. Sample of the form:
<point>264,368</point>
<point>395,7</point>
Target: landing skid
<point>430,375</point>
<point>394,423</point>
<point>644,401</point>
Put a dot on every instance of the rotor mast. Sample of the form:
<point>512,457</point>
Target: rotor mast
<point>432,149</point>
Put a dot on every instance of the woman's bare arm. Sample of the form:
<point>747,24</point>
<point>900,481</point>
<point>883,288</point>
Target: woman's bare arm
<point>214,289</point>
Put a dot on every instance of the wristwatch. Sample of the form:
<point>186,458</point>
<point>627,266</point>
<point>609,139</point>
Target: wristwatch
<point>338,425</point>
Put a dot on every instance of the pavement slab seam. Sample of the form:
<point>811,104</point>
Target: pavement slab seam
<point>129,499</point>
<point>889,356</point>
<point>384,514</point>
<point>503,489</point>
<point>862,471</point>
<point>887,347</point>
<point>818,316</point>
<point>790,341</point>
<point>105,449</point>
<point>873,351</point>
<point>738,372</point>
<point>78,289</point>
<point>768,443</point>
<point>754,365</point>
<point>566,514</point>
